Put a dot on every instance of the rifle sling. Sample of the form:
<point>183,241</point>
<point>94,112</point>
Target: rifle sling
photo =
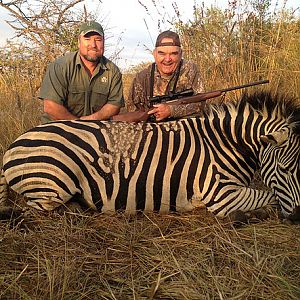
<point>152,80</point>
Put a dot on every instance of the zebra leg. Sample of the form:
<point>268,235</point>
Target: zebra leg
<point>242,204</point>
<point>70,201</point>
<point>44,204</point>
<point>248,205</point>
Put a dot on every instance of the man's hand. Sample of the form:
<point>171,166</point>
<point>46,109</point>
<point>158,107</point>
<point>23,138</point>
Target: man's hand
<point>160,111</point>
<point>107,111</point>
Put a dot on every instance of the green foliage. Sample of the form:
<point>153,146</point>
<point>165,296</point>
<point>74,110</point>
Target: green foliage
<point>243,43</point>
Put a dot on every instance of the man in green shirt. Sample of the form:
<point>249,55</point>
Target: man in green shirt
<point>83,84</point>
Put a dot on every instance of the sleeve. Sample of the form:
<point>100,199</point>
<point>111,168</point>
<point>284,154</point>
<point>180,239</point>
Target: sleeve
<point>130,103</point>
<point>54,85</point>
<point>184,110</point>
<point>137,97</point>
<point>196,79</point>
<point>115,96</point>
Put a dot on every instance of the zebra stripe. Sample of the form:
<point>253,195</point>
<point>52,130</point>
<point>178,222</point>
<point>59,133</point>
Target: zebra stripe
<point>167,166</point>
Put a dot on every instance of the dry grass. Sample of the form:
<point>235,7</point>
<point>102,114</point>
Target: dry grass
<point>16,116</point>
<point>193,256</point>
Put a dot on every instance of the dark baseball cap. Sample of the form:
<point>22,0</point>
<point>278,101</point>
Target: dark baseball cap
<point>170,35</point>
<point>91,26</point>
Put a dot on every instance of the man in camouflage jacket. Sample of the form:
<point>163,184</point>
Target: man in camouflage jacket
<point>169,74</point>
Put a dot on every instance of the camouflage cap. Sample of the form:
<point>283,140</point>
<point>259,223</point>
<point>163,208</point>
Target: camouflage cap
<point>91,26</point>
<point>170,35</point>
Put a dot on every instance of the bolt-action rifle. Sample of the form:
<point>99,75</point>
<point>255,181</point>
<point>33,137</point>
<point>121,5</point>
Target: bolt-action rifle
<point>184,97</point>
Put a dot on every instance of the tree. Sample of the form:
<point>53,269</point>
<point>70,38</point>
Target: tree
<point>45,29</point>
<point>47,25</point>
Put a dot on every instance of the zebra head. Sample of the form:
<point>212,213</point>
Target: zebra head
<point>280,169</point>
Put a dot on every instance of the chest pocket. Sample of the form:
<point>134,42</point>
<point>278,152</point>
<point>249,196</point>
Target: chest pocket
<point>76,99</point>
<point>87,100</point>
<point>99,96</point>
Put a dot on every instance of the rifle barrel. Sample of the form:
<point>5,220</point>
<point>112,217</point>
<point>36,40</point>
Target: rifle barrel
<point>244,85</point>
<point>212,94</point>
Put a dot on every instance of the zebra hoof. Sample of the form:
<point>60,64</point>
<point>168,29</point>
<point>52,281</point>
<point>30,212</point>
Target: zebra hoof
<point>260,214</point>
<point>287,222</point>
<point>294,217</point>
<point>238,218</point>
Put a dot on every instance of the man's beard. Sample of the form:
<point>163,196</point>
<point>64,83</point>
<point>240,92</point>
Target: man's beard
<point>90,58</point>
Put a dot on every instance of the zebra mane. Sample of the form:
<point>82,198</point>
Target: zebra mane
<point>265,103</point>
<point>284,106</point>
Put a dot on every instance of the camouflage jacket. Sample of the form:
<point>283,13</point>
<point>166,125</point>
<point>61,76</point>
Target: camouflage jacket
<point>189,78</point>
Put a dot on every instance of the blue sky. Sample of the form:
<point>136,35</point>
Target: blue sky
<point>130,27</point>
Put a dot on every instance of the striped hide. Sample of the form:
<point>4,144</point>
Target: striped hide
<point>169,166</point>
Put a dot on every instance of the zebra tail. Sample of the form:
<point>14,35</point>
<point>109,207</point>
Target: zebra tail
<point>7,212</point>
<point>3,190</point>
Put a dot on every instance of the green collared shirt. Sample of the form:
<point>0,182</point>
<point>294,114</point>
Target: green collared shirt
<point>66,82</point>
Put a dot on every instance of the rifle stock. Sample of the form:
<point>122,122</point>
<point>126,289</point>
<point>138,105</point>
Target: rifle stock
<point>134,116</point>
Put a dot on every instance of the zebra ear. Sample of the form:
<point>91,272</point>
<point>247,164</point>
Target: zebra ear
<point>276,137</point>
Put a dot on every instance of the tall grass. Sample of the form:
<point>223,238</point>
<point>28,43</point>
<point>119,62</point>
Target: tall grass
<point>20,78</point>
<point>238,45</point>
<point>247,41</point>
